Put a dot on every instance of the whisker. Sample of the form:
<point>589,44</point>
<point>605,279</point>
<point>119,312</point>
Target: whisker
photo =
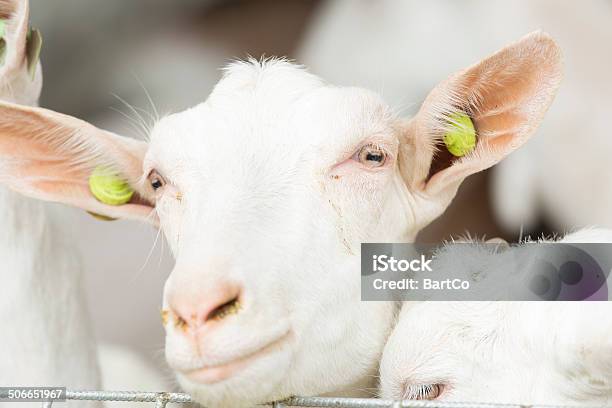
<point>400,109</point>
<point>148,95</point>
<point>139,119</point>
<point>144,265</point>
<point>161,253</point>
<point>149,115</point>
<point>131,121</point>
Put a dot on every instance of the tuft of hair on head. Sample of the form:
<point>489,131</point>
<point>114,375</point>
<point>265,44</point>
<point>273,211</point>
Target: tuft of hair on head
<point>265,75</point>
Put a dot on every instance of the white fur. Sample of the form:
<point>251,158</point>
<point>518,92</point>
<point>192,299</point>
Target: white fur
<point>555,353</point>
<point>46,336</point>
<point>47,339</point>
<point>260,208</point>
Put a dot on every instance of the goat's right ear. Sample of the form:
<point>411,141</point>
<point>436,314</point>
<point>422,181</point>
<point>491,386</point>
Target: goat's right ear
<point>50,156</point>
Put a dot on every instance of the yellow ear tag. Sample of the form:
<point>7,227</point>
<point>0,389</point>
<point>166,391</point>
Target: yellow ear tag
<point>108,188</point>
<point>460,138</point>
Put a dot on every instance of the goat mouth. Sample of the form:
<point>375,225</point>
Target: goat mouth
<point>217,373</point>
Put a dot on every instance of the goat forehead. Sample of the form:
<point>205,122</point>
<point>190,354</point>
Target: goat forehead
<point>320,128</point>
<point>271,115</point>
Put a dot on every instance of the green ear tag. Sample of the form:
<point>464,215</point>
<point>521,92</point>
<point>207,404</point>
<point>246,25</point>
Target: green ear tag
<point>108,188</point>
<point>2,42</point>
<point>460,138</point>
<point>33,47</point>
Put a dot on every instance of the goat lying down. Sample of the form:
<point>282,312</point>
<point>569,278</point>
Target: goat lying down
<point>556,353</point>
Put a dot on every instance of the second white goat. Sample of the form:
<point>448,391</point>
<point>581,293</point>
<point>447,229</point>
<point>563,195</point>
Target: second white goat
<point>47,338</point>
<point>548,353</point>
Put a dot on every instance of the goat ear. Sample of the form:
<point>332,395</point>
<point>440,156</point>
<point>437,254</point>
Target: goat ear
<point>50,156</point>
<point>506,95</point>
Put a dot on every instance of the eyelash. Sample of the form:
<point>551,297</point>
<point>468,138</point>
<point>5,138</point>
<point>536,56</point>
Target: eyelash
<point>423,391</point>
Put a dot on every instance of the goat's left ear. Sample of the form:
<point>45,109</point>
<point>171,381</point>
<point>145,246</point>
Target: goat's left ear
<point>506,96</point>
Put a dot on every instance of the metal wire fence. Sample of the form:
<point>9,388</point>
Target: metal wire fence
<point>161,399</point>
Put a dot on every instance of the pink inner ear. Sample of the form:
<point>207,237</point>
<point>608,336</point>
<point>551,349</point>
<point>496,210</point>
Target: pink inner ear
<point>506,95</point>
<point>50,156</point>
<point>55,180</point>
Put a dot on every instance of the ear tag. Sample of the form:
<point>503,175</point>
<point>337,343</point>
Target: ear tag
<point>108,188</point>
<point>33,46</point>
<point>460,137</point>
<point>2,42</point>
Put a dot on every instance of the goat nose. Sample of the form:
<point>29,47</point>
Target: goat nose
<point>194,310</point>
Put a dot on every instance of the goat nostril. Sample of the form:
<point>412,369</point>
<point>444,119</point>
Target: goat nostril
<point>226,309</point>
<point>192,310</point>
<point>164,316</point>
<point>180,323</point>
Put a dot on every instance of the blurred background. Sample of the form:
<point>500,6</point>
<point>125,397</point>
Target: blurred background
<point>102,60</point>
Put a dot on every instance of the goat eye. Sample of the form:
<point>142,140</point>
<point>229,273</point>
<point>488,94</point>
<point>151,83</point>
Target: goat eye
<point>423,391</point>
<point>156,180</point>
<point>371,156</point>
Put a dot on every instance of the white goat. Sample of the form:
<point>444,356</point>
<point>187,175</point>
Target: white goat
<point>266,191</point>
<point>564,174</point>
<point>47,338</point>
<point>556,353</point>
<point>46,335</point>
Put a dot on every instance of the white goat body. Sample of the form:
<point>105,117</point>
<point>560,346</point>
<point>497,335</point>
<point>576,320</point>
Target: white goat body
<point>556,353</point>
<point>47,339</point>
